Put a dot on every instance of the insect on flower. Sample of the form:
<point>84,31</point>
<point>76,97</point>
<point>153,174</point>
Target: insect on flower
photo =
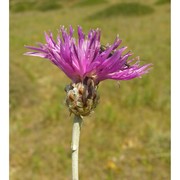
<point>103,48</point>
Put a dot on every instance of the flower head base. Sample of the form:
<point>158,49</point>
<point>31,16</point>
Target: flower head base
<point>86,62</point>
<point>82,97</point>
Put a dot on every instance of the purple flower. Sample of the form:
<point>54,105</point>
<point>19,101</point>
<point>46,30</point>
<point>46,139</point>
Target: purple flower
<point>87,58</point>
<point>86,62</point>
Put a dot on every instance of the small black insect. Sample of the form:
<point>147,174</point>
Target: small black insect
<point>103,48</point>
<point>127,65</point>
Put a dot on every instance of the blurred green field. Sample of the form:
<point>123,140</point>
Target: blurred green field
<point>128,136</point>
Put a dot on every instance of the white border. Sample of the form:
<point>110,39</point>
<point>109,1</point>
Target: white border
<point>4,90</point>
<point>175,91</point>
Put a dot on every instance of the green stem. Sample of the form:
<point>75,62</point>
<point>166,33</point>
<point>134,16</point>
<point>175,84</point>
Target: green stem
<point>75,145</point>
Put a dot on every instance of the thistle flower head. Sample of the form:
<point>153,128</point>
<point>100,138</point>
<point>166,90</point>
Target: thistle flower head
<point>86,62</point>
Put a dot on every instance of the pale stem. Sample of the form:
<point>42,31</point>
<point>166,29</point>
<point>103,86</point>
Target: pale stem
<point>75,145</point>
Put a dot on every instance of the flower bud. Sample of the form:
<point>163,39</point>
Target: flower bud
<point>82,97</point>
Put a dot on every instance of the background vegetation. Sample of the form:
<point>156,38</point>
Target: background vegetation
<point>128,136</point>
